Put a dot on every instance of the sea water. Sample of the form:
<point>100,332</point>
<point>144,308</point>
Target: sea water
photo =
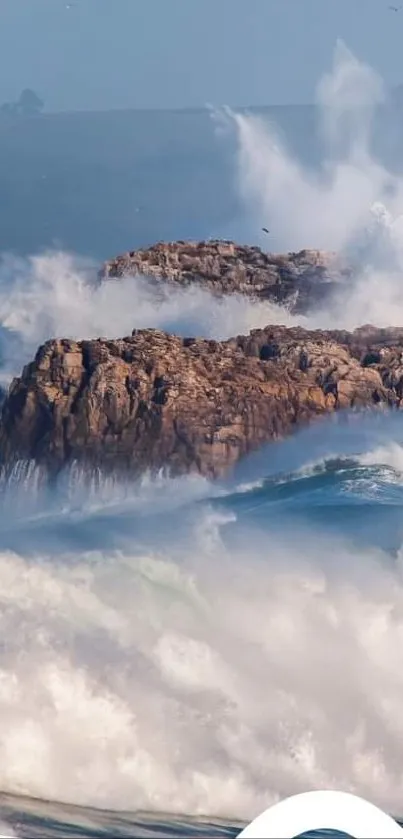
<point>178,654</point>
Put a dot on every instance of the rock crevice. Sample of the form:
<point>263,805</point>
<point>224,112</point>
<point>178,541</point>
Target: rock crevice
<point>153,400</point>
<point>297,280</point>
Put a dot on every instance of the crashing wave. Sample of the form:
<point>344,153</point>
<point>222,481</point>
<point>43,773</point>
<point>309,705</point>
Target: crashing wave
<point>380,242</point>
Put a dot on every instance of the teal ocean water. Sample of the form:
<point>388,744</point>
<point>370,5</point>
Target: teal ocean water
<point>192,648</point>
<point>175,655</point>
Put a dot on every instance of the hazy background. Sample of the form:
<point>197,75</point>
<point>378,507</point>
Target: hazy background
<point>125,151</point>
<point>120,605</point>
<point>102,54</point>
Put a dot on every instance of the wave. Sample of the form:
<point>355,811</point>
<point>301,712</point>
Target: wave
<point>176,657</point>
<point>351,203</point>
<point>58,295</point>
<point>184,647</point>
<point>36,819</point>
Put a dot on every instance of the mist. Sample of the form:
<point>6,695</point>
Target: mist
<point>181,659</point>
<point>352,204</point>
<point>57,295</point>
<point>163,646</point>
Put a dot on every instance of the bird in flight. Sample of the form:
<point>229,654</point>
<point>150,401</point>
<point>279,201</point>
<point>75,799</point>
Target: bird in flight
<point>394,8</point>
<point>265,230</point>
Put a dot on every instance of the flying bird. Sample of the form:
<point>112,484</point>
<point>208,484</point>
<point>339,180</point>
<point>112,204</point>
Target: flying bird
<point>394,8</point>
<point>265,230</point>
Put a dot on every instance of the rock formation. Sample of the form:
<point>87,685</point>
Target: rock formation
<point>297,280</point>
<point>155,400</point>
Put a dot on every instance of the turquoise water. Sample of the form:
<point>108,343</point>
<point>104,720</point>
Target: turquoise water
<point>177,646</point>
<point>186,647</point>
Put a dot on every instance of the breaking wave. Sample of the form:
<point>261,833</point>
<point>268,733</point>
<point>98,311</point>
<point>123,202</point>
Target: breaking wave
<point>178,646</point>
<point>199,655</point>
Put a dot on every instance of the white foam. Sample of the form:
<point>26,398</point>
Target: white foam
<point>188,677</point>
<point>351,204</point>
<point>201,684</point>
<point>56,295</point>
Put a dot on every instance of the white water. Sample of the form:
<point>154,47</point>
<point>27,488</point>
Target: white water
<point>352,205</point>
<point>192,677</point>
<point>178,673</point>
<point>55,295</point>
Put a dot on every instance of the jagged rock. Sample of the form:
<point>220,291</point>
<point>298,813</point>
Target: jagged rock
<point>154,400</point>
<point>297,280</point>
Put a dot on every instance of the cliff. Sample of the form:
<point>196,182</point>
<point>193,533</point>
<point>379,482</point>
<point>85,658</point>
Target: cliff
<point>155,400</point>
<point>298,280</point>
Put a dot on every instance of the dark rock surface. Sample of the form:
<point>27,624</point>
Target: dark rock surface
<point>297,280</point>
<point>154,400</point>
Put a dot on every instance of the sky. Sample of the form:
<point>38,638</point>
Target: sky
<point>102,54</point>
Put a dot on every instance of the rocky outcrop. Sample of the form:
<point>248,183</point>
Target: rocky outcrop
<point>155,400</point>
<point>298,280</point>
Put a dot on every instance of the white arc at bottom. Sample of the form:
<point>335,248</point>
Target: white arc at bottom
<point>319,810</point>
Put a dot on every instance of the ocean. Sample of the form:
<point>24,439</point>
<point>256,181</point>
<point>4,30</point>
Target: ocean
<point>178,654</point>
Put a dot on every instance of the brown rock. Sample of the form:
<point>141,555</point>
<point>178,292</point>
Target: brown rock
<point>298,280</point>
<point>154,400</point>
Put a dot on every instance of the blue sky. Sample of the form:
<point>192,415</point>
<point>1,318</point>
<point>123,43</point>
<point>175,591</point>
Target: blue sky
<point>179,53</point>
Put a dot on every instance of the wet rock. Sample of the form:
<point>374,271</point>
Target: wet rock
<point>153,400</point>
<point>297,280</point>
